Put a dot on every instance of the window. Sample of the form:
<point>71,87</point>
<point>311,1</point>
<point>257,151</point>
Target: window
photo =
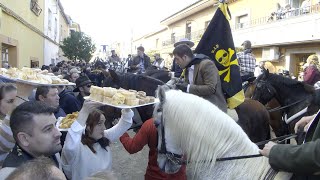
<point>173,38</point>
<point>206,24</point>
<point>188,30</point>
<point>294,3</point>
<point>55,28</point>
<point>242,21</point>
<point>5,54</point>
<point>61,36</point>
<point>157,42</point>
<point>49,19</point>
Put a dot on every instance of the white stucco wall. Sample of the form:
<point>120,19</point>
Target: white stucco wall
<point>51,50</point>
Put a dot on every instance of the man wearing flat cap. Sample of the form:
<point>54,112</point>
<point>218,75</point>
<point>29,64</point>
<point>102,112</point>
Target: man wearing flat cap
<point>83,85</point>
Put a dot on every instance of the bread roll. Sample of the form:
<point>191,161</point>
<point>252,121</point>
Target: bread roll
<point>142,93</point>
<point>55,80</point>
<point>64,81</point>
<point>134,91</point>
<point>152,99</point>
<point>118,99</point>
<point>109,91</point>
<point>142,101</point>
<point>100,91</point>
<point>107,100</point>
<point>132,102</point>
<point>93,90</point>
<point>128,94</point>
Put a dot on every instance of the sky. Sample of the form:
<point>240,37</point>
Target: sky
<point>107,21</point>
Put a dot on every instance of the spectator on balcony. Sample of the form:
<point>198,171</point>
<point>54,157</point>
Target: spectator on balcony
<point>306,6</point>
<point>175,67</point>
<point>247,61</point>
<point>141,62</point>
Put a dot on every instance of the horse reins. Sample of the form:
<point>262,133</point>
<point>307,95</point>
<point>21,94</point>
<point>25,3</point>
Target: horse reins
<point>284,107</point>
<point>278,140</point>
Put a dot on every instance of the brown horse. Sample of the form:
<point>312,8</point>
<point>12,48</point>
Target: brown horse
<point>292,95</point>
<point>278,126</point>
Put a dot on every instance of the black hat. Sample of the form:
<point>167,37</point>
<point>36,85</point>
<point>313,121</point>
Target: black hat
<point>185,41</point>
<point>82,81</point>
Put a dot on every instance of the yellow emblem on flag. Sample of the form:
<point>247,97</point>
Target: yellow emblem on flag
<point>225,59</point>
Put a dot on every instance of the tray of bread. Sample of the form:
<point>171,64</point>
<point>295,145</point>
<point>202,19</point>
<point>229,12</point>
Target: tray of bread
<point>64,123</point>
<point>120,98</point>
<point>33,76</point>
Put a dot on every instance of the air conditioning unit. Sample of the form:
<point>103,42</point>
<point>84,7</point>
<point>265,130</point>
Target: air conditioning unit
<point>270,54</point>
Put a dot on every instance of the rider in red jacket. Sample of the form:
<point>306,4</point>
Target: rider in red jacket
<point>148,135</point>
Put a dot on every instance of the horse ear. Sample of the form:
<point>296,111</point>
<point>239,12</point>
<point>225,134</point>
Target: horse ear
<point>114,75</point>
<point>267,72</point>
<point>161,93</point>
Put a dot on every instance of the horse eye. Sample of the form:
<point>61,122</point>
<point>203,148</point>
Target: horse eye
<point>159,110</point>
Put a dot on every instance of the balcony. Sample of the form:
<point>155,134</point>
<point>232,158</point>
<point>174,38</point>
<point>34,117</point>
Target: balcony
<point>285,27</point>
<point>194,36</point>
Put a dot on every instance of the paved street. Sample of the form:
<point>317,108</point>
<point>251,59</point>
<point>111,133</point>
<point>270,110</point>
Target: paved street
<point>126,166</point>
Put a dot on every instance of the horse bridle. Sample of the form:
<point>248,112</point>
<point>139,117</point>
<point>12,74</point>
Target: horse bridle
<point>174,158</point>
<point>277,97</point>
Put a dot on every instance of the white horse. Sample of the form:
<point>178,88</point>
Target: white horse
<point>198,129</point>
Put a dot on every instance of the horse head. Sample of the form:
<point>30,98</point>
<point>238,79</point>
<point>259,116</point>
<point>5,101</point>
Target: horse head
<point>192,126</point>
<point>170,157</point>
<point>264,91</point>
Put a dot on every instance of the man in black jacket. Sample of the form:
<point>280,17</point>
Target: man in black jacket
<point>141,62</point>
<point>33,128</point>
<point>68,102</point>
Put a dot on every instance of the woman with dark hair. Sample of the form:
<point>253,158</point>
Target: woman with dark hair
<point>8,93</point>
<point>86,149</point>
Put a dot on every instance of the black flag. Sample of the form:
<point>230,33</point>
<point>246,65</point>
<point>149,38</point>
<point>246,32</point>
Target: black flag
<point>217,43</point>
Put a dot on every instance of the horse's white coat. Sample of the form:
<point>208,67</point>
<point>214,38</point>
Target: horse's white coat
<point>204,132</point>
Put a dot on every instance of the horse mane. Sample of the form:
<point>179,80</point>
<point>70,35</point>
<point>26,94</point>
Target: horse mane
<point>206,133</point>
<point>278,79</point>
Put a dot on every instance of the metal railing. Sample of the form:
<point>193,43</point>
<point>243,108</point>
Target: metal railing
<point>193,36</point>
<point>279,15</point>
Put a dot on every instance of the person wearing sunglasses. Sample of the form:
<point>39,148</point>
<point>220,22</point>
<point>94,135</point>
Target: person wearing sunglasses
<point>83,85</point>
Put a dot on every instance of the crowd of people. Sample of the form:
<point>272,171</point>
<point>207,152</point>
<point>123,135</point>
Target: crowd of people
<point>29,139</point>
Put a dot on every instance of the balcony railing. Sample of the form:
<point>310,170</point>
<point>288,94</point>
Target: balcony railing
<point>193,36</point>
<point>279,16</point>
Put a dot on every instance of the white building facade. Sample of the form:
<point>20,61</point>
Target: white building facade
<point>52,30</point>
